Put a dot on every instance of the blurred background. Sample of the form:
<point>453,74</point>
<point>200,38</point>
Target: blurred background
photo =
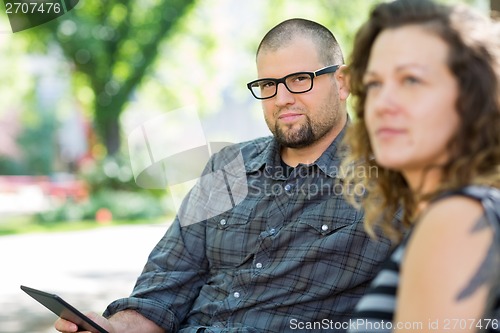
<point>73,220</point>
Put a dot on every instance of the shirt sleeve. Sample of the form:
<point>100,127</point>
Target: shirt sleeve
<point>171,279</point>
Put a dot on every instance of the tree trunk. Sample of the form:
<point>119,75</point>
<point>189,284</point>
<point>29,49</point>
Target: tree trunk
<point>495,9</point>
<point>112,136</point>
<point>107,123</point>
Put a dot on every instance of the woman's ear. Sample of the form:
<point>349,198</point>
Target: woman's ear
<point>342,78</point>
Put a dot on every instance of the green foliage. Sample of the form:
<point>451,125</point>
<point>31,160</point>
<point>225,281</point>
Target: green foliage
<point>112,188</point>
<point>38,158</point>
<point>112,172</point>
<point>113,43</point>
<point>123,205</point>
<point>37,141</point>
<point>11,167</point>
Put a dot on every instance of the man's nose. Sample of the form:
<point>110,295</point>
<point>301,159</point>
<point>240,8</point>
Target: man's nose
<point>283,95</point>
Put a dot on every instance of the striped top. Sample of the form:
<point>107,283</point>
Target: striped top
<point>375,311</point>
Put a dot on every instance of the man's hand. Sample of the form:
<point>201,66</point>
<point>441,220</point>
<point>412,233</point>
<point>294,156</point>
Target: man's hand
<point>66,326</point>
<point>127,321</point>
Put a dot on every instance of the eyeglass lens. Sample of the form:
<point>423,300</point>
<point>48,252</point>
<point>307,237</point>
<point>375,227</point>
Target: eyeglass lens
<point>295,83</point>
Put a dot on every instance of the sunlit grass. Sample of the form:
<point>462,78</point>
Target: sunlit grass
<point>26,224</point>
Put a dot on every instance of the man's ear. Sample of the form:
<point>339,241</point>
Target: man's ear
<point>342,78</point>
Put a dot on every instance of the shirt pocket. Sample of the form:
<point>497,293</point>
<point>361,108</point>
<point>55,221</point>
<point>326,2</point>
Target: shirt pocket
<point>231,237</point>
<point>325,235</point>
<point>328,217</point>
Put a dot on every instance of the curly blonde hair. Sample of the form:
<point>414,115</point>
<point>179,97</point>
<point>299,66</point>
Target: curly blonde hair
<point>474,60</point>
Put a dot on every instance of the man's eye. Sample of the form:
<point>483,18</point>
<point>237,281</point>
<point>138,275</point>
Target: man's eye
<point>302,77</point>
<point>266,84</point>
<point>298,78</point>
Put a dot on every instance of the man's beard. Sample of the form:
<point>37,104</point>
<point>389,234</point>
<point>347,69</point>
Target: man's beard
<point>299,138</point>
<point>309,130</point>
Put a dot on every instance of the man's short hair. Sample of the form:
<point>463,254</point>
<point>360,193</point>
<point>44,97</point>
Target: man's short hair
<point>328,48</point>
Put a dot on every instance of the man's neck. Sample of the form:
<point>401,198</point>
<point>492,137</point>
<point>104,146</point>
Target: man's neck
<point>309,154</point>
<point>306,155</point>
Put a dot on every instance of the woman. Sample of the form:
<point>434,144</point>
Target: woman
<point>426,83</point>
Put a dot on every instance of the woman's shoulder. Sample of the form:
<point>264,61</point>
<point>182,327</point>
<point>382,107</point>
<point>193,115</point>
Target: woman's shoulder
<point>452,210</point>
<point>455,220</point>
<point>452,237</point>
<point>448,259</point>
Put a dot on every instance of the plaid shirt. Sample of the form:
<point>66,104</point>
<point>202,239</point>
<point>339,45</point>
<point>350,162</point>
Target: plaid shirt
<point>284,252</point>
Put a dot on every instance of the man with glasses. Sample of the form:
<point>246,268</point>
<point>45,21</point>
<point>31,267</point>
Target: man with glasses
<point>291,254</point>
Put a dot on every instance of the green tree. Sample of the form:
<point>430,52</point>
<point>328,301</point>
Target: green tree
<point>111,45</point>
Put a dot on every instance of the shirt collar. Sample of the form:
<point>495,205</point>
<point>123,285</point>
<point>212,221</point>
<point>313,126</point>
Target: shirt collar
<point>269,158</point>
<point>328,162</point>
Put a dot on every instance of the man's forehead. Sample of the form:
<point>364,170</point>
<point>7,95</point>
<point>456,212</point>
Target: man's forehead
<point>296,56</point>
<point>300,41</point>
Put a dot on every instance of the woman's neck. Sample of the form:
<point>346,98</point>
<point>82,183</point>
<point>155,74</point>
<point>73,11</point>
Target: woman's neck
<point>422,182</point>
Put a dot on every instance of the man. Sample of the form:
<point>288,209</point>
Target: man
<point>292,253</point>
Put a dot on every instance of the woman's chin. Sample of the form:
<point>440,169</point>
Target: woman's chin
<point>390,163</point>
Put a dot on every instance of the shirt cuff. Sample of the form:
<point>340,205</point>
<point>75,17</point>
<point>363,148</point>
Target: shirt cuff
<point>150,309</point>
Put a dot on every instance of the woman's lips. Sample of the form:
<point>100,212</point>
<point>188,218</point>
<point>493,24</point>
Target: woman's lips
<point>389,133</point>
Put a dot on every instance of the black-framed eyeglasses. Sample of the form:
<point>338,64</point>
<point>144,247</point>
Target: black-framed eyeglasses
<point>296,83</point>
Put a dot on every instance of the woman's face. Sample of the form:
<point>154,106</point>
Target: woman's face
<point>410,109</point>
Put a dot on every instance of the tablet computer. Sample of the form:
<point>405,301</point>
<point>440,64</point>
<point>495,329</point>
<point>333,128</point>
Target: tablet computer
<point>64,310</point>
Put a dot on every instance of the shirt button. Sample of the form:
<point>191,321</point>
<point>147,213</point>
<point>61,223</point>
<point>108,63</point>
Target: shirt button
<point>288,187</point>
<point>223,222</point>
<point>324,227</point>
<point>258,265</point>
<point>236,295</point>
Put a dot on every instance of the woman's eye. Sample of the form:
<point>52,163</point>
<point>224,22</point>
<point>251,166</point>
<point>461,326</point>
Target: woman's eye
<point>371,84</point>
<point>411,80</point>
